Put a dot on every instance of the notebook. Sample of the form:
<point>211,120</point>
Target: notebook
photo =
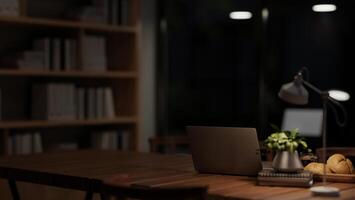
<point>225,150</point>
<point>270,177</point>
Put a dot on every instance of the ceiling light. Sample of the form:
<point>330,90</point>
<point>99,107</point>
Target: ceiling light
<point>339,95</point>
<point>240,15</point>
<point>324,8</point>
<point>265,13</point>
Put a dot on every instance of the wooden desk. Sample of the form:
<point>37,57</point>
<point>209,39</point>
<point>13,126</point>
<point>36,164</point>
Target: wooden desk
<point>87,170</point>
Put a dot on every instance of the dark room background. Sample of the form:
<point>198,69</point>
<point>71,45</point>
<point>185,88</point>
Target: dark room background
<point>222,72</point>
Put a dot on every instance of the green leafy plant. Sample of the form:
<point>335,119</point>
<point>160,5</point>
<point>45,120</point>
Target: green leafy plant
<point>285,140</point>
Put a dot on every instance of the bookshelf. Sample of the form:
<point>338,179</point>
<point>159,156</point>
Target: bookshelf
<point>119,71</point>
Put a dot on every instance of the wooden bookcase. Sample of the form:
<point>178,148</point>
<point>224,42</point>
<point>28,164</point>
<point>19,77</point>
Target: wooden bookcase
<point>122,74</point>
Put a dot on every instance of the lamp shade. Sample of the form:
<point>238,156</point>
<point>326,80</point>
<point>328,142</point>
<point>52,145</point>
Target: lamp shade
<point>294,92</point>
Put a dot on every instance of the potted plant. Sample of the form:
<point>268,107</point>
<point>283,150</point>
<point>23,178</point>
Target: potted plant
<point>286,144</point>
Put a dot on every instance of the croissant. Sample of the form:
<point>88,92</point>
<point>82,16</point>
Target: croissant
<point>317,168</point>
<point>339,164</point>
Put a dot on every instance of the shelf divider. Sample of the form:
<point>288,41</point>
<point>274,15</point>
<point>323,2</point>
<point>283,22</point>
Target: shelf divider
<point>79,74</point>
<point>55,23</point>
<point>6,125</point>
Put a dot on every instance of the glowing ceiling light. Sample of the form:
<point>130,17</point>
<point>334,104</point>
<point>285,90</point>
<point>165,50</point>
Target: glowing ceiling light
<point>339,95</point>
<point>265,13</point>
<point>324,8</point>
<point>240,15</point>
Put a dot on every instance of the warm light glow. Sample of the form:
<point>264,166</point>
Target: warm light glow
<point>339,95</point>
<point>239,15</point>
<point>324,8</point>
<point>265,14</point>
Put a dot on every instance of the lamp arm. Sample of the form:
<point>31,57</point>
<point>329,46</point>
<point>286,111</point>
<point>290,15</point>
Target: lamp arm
<point>314,88</point>
<point>345,120</point>
<point>331,100</point>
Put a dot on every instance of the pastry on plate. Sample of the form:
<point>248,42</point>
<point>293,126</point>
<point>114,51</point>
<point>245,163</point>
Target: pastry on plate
<point>339,164</point>
<point>317,168</point>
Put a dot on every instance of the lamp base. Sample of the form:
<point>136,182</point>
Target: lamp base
<point>325,191</point>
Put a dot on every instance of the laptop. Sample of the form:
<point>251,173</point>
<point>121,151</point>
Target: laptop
<point>225,150</point>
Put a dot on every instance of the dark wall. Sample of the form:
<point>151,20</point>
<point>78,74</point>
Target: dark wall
<point>322,42</point>
<point>210,67</point>
<point>218,71</point>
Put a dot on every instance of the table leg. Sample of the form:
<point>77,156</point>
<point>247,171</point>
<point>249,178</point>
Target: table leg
<point>13,189</point>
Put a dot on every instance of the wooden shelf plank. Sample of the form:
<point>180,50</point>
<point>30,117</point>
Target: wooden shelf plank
<point>55,23</point>
<point>65,123</point>
<point>74,74</point>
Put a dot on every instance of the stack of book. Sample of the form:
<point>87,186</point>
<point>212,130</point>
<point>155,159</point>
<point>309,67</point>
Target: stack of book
<point>299,179</point>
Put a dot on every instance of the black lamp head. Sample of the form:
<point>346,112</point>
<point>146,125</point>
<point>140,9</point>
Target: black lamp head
<point>294,92</point>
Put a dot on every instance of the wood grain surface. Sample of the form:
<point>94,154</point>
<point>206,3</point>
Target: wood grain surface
<point>90,169</point>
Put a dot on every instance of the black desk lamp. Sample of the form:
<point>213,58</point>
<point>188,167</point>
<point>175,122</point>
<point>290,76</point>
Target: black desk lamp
<point>295,93</point>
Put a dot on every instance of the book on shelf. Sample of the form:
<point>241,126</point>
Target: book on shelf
<point>73,56</point>
<point>114,12</point>
<point>66,51</point>
<point>43,45</point>
<point>110,140</point>
<point>37,143</point>
<point>94,53</point>
<point>102,8</point>
<point>108,103</point>
<point>91,103</point>
<point>113,16</point>
<point>28,59</point>
<point>9,8</point>
<point>271,178</point>
<point>119,12</point>
<point>65,101</point>
<point>124,12</point>
<point>58,53</point>
<point>53,101</point>
<point>25,143</point>
<point>100,103</point>
<point>106,140</point>
<point>43,97</point>
<point>123,140</point>
<point>88,13</point>
<point>80,103</point>
<point>95,103</point>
